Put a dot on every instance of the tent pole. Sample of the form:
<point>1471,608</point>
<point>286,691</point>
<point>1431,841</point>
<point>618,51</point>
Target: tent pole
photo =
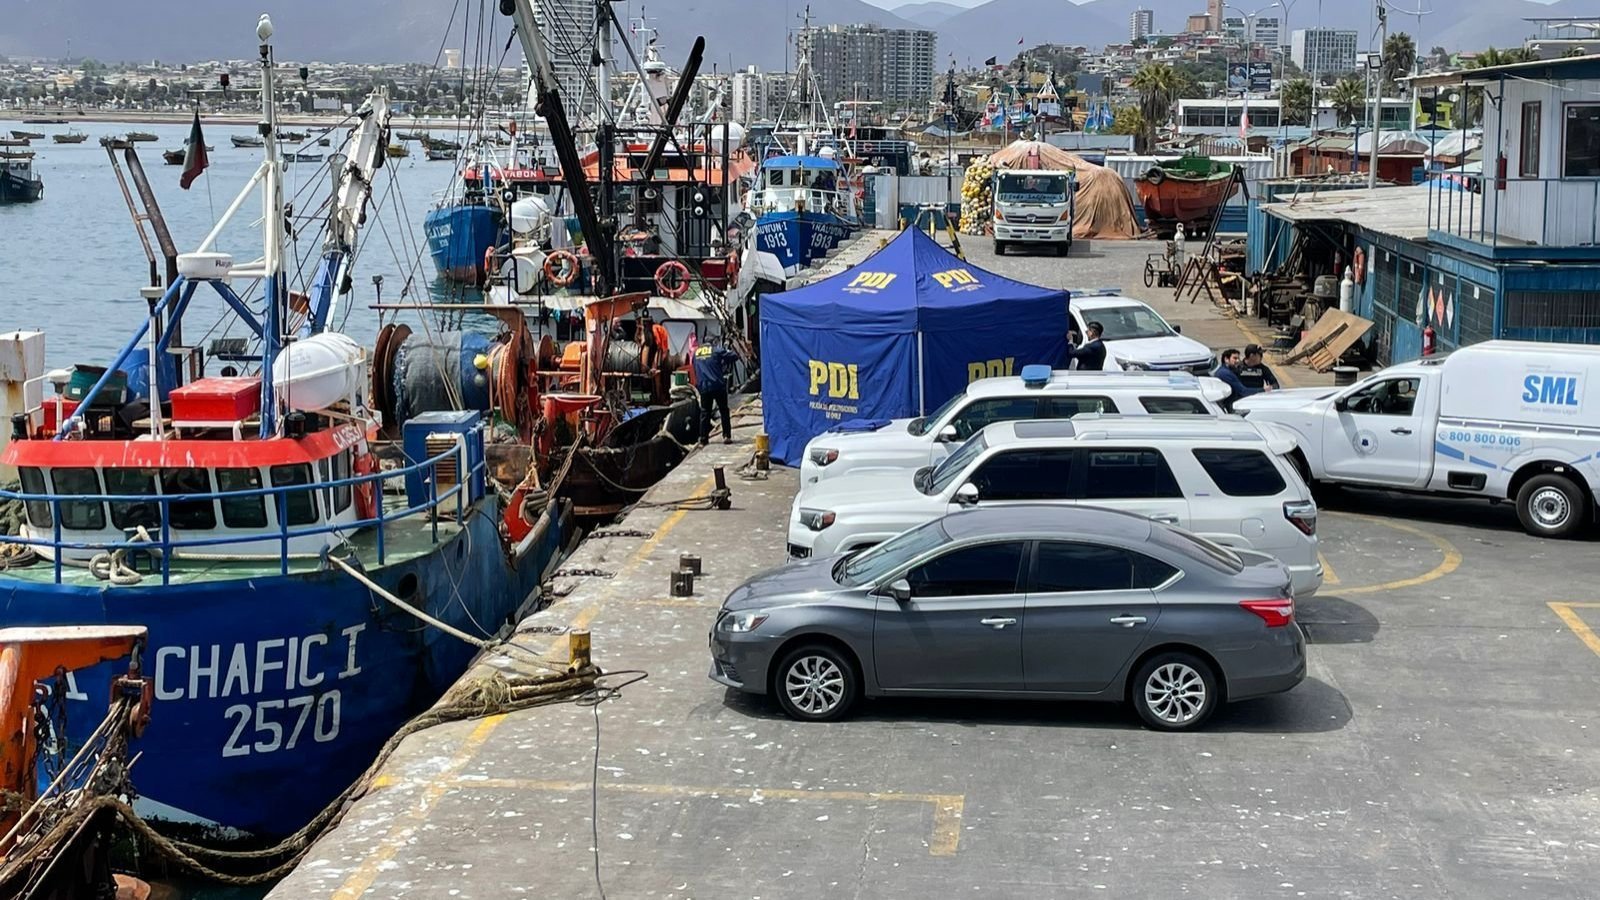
<point>922,381</point>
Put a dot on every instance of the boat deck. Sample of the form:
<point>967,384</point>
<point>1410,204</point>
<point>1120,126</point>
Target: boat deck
<point>403,539</point>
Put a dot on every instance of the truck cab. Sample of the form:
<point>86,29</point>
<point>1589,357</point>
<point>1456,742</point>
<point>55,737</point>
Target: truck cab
<point>1034,206</point>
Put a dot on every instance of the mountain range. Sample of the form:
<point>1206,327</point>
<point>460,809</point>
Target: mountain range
<point>737,32</point>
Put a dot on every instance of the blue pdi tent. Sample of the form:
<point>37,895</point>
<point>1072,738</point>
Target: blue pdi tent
<point>897,335</point>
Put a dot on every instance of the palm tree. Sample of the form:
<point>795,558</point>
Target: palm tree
<point>1399,56</point>
<point>1158,86</point>
<point>1348,98</point>
<point>1294,102</point>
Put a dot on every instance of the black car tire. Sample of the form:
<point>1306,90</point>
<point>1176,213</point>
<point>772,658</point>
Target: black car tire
<point>1160,686</point>
<point>830,675</point>
<point>1000,248</point>
<point>1551,506</point>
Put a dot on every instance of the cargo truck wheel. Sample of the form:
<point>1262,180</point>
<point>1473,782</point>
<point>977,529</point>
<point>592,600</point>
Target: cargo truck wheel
<point>1551,506</point>
<point>999,248</point>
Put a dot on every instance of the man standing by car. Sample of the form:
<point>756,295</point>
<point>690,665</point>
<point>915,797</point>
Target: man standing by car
<point>1228,374</point>
<point>1091,356</point>
<point>711,381</point>
<point>1253,372</point>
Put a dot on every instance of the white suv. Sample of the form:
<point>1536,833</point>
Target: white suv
<point>1224,478</point>
<point>1136,336</point>
<point>1038,393</point>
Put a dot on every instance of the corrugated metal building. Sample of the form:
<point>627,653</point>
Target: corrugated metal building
<point>1511,254</point>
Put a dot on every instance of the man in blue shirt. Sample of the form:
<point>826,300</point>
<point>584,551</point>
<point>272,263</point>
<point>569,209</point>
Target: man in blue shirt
<point>710,379</point>
<point>1228,374</point>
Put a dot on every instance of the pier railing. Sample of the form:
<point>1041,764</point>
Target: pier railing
<point>1514,212</point>
<point>163,543</point>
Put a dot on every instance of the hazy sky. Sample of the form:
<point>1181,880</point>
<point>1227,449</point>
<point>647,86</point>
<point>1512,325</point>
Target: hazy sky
<point>891,4</point>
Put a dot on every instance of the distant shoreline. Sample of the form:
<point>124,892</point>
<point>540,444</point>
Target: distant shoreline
<point>234,120</point>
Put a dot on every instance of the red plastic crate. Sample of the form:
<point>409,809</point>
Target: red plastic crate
<point>217,400</point>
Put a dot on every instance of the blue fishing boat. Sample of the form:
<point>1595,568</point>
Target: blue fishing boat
<point>465,223</point>
<point>803,208</point>
<point>249,511</point>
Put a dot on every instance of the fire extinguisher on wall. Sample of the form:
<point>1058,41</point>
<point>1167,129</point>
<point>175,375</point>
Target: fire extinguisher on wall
<point>1429,342</point>
<point>1500,172</point>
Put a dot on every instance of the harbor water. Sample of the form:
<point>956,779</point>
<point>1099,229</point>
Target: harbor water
<point>73,264</point>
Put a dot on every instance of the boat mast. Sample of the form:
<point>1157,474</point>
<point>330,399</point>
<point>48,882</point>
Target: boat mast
<point>555,115</point>
<point>271,231</point>
<point>352,171</point>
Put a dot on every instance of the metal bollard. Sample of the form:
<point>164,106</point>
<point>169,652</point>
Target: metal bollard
<point>763,452</point>
<point>682,583</point>
<point>688,562</point>
<point>721,497</point>
<point>578,649</point>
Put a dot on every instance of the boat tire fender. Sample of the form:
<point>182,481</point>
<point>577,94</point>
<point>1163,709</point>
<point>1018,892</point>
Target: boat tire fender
<point>561,268</point>
<point>672,279</point>
<point>1154,175</point>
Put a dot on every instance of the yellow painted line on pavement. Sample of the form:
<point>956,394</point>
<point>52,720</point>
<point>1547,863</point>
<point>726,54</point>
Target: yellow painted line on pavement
<point>947,808</point>
<point>395,837</point>
<point>436,787</point>
<point>1329,577</point>
<point>1449,563</point>
<point>1576,623</point>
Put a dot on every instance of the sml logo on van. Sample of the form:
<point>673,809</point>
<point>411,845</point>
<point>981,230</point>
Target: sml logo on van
<point>957,280</point>
<point>869,283</point>
<point>990,368</point>
<point>1551,390</point>
<point>838,379</point>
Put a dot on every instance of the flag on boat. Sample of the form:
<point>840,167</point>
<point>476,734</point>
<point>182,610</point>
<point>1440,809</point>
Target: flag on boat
<point>194,155</point>
<point>990,61</point>
<point>1107,117</point>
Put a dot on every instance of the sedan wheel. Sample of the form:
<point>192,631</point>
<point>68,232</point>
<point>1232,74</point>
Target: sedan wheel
<point>816,684</point>
<point>1174,692</point>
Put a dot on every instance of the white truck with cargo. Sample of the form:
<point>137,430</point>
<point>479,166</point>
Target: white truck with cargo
<point>1034,206</point>
<point>1503,420</point>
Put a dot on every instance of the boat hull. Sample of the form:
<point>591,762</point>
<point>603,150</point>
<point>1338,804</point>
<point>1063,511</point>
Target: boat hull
<point>19,190</point>
<point>1191,201</point>
<point>274,693</point>
<point>458,236</point>
<point>799,239</point>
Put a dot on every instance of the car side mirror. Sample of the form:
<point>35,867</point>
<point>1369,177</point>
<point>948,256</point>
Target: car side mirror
<point>1341,405</point>
<point>899,589</point>
<point>967,494</point>
<point>1177,329</point>
<point>948,435</point>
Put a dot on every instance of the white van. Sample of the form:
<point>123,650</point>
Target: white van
<point>1038,393</point>
<point>1506,420</point>
<point>1224,478</point>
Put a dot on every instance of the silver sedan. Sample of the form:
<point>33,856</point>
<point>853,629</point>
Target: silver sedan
<point>1033,601</point>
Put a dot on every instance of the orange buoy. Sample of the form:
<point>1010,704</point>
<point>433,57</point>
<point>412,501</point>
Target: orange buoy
<point>672,279</point>
<point>561,268</point>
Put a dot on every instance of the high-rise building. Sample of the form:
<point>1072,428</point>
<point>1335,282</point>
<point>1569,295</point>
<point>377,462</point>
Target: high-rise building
<point>749,100</point>
<point>1325,51</point>
<point>1264,30</point>
<point>568,29</point>
<point>452,58</point>
<point>867,62</point>
<point>1214,13</point>
<point>1141,22</point>
<point>1199,23</point>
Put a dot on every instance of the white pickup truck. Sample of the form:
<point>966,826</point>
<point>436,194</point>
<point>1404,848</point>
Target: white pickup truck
<point>1504,420</point>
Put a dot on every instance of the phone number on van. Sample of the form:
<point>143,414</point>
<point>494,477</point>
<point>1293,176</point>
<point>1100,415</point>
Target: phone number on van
<point>1483,439</point>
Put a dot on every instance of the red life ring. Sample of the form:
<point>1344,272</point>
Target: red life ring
<point>567,273</point>
<point>1358,265</point>
<point>672,279</point>
<point>366,492</point>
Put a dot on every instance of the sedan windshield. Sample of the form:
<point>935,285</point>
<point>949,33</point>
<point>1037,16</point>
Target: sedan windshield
<point>871,564</point>
<point>921,425</point>
<point>953,465</point>
<point>1127,322</point>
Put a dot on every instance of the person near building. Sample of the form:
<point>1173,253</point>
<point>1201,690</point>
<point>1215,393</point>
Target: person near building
<point>711,380</point>
<point>1253,371</point>
<point>1228,374</point>
<point>1091,354</point>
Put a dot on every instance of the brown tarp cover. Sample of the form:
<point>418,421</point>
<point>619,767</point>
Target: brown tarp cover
<point>1105,208</point>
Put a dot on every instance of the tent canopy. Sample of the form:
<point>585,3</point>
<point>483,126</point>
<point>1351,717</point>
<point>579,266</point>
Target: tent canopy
<point>895,336</point>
